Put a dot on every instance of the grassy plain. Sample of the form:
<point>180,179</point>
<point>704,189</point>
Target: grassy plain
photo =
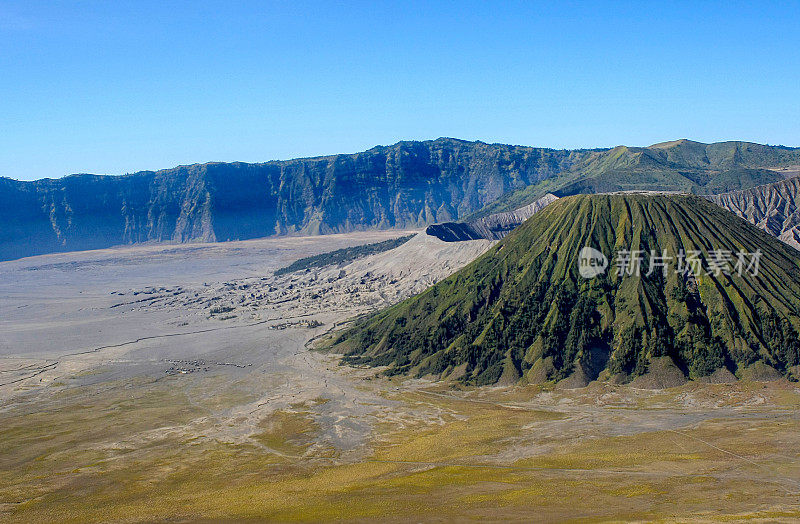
<point>504,453</point>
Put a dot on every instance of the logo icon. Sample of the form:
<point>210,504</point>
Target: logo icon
<point>591,262</point>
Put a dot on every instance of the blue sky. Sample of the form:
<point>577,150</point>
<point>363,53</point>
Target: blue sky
<point>116,87</point>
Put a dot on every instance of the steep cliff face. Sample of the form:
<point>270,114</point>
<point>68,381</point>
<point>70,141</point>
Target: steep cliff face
<point>407,185</point>
<point>90,212</point>
<point>775,208</point>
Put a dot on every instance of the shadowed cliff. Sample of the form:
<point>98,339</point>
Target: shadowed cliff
<point>406,185</point>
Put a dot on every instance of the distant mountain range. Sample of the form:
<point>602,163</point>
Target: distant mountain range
<point>406,185</point>
<point>524,311</point>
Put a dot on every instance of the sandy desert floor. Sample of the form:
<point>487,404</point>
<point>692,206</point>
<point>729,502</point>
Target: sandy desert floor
<point>174,383</point>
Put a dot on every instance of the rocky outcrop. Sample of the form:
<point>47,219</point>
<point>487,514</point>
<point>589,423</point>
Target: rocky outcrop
<point>492,227</point>
<point>791,236</point>
<point>775,208</point>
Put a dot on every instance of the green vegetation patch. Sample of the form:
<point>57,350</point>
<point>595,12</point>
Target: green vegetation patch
<point>342,256</point>
<point>682,165</point>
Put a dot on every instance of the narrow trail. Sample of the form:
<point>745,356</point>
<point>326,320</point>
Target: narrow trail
<point>792,482</point>
<point>57,360</point>
<point>23,368</point>
<point>168,335</point>
<point>38,372</point>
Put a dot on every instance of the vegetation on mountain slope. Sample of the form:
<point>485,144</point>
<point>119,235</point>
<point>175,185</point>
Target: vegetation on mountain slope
<point>342,256</point>
<point>523,311</point>
<point>678,166</point>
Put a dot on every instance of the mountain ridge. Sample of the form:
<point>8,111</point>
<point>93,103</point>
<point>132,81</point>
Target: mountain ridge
<point>403,186</point>
<point>406,185</point>
<point>679,165</point>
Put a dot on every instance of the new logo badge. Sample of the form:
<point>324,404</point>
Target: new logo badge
<point>591,262</point>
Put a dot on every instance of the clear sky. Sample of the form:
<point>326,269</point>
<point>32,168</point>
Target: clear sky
<point>116,87</point>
